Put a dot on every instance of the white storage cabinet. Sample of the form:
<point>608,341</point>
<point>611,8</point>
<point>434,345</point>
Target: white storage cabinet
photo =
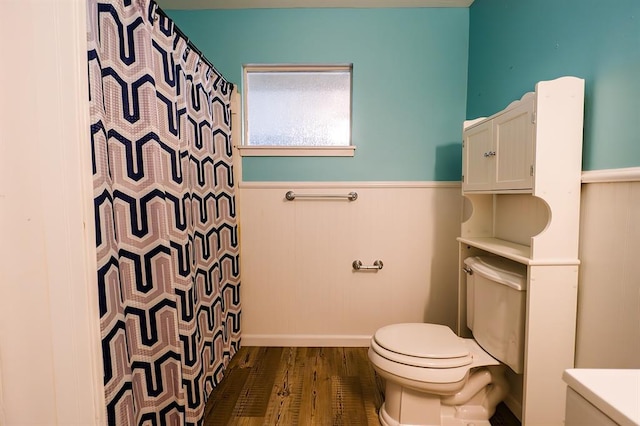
<point>522,177</point>
<point>498,153</point>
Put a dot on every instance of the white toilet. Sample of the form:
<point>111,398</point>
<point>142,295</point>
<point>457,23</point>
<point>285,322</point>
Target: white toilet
<point>434,377</point>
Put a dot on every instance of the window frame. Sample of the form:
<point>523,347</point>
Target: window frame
<point>291,150</point>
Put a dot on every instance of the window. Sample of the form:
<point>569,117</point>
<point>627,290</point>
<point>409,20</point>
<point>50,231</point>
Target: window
<point>297,110</point>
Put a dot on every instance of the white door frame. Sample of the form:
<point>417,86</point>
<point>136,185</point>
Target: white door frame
<point>50,353</point>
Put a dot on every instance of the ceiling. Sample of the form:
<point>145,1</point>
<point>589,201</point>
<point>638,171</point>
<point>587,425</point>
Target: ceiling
<point>265,4</point>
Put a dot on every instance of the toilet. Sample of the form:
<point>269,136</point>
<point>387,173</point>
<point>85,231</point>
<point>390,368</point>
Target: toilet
<point>434,377</point>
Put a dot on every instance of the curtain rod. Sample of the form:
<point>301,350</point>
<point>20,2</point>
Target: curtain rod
<point>190,44</point>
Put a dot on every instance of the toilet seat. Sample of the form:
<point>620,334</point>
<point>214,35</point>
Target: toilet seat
<point>421,345</point>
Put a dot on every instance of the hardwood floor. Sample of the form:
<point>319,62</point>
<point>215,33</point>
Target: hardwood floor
<point>301,386</point>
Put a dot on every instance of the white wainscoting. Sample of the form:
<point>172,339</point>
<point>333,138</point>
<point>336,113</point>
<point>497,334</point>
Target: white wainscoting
<point>608,332</point>
<point>50,346</point>
<point>298,286</point>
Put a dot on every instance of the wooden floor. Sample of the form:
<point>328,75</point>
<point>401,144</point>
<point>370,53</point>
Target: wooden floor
<point>303,386</point>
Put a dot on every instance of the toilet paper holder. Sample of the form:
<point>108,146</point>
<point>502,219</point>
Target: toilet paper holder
<point>358,266</point>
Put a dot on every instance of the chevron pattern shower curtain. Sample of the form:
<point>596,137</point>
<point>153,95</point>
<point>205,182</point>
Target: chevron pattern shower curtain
<point>166,230</point>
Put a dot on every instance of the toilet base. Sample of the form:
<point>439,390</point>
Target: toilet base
<point>445,420</point>
<point>472,405</point>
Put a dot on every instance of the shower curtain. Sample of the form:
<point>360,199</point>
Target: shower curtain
<point>165,219</point>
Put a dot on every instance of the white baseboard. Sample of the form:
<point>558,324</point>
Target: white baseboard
<point>305,340</point>
<point>514,405</point>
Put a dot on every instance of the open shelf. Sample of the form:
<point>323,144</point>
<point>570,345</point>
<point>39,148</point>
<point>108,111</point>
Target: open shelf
<point>513,251</point>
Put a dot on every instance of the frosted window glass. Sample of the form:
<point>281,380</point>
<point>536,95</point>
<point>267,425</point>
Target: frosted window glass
<point>298,108</point>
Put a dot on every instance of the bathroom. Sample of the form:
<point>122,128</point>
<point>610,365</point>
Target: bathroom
<point>434,68</point>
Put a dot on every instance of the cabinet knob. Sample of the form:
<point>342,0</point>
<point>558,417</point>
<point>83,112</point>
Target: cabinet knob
<point>490,154</point>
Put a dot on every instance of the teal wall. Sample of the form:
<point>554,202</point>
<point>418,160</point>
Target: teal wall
<point>514,44</point>
<point>409,82</point>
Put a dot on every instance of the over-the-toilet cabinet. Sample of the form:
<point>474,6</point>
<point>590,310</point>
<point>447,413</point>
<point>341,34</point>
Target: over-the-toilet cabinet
<point>521,184</point>
<point>498,153</point>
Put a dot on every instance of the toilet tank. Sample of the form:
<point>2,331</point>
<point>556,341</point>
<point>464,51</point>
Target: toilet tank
<point>496,303</point>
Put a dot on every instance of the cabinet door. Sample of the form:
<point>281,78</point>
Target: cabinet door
<point>513,133</point>
<point>478,157</point>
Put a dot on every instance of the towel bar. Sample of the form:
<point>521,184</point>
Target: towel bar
<point>290,196</point>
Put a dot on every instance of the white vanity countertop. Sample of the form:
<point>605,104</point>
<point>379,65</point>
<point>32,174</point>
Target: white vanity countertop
<point>615,392</point>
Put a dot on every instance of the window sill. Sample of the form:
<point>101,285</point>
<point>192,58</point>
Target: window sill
<point>296,151</point>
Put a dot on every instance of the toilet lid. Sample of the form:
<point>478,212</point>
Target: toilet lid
<point>425,345</point>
